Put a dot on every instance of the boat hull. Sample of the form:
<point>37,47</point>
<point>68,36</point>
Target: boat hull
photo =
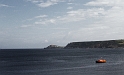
<point>101,61</point>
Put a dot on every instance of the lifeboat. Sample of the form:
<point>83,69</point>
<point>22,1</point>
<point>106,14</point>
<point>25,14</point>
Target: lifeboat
<point>101,61</point>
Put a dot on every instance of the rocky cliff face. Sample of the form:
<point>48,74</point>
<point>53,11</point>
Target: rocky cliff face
<point>97,44</point>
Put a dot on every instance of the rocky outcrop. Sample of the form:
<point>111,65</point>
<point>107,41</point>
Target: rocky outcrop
<point>97,44</point>
<point>53,47</point>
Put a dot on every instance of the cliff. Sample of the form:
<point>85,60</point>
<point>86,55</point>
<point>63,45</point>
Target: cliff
<point>97,44</point>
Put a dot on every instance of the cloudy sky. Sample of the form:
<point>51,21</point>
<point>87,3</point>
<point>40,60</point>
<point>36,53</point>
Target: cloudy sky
<point>39,23</point>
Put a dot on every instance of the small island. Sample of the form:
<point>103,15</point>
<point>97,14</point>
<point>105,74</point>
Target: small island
<point>97,44</point>
<point>53,47</point>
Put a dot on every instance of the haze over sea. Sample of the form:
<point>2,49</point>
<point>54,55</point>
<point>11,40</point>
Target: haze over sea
<point>61,62</point>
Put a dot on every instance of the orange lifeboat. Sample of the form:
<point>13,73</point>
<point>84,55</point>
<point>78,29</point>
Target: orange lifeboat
<point>101,61</point>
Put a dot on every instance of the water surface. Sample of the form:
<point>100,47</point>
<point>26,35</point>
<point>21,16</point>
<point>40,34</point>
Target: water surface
<point>61,62</point>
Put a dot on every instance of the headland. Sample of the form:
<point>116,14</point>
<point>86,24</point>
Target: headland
<point>92,44</point>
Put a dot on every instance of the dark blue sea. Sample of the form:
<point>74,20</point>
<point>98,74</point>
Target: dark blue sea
<point>61,62</point>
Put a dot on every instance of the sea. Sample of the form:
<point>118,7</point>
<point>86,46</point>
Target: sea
<point>61,62</point>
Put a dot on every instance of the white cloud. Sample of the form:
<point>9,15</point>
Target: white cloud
<point>24,26</point>
<point>106,3</point>
<point>113,16</point>
<point>41,16</point>
<point>45,21</point>
<point>46,3</point>
<point>97,3</point>
<point>82,14</point>
<point>46,41</point>
<point>70,8</point>
<point>52,20</point>
<point>107,17</point>
<point>111,20</point>
<point>36,17</point>
<point>69,3</point>
<point>74,16</point>
<point>104,16</point>
<point>107,21</point>
<point>4,5</point>
<point>35,1</point>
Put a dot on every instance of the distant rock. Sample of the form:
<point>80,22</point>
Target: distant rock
<point>53,47</point>
<point>97,44</point>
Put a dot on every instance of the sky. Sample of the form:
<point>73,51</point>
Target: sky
<point>39,23</point>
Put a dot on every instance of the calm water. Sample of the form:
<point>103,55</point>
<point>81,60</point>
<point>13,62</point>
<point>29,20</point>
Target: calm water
<point>61,62</point>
